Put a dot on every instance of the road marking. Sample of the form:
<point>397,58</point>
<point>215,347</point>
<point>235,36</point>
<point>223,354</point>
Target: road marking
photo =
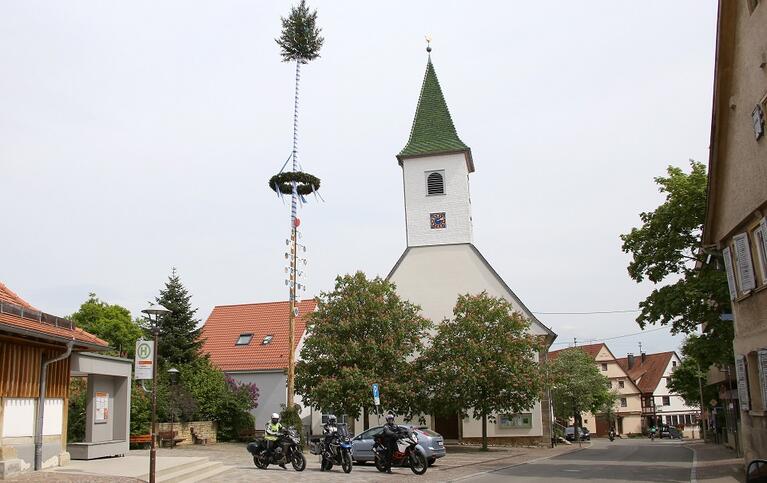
<point>694,467</point>
<point>542,458</point>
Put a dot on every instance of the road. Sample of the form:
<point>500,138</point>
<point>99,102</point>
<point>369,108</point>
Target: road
<point>628,460</point>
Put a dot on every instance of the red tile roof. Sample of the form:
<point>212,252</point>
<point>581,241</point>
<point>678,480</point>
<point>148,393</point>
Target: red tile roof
<point>592,350</point>
<point>647,374</point>
<point>7,295</point>
<point>36,323</point>
<point>227,322</point>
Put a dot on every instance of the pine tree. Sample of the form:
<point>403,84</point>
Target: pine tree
<point>179,336</point>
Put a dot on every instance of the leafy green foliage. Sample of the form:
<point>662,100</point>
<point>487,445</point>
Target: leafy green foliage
<point>483,359</point>
<point>711,349</point>
<point>179,336</point>
<point>578,386</point>
<point>300,39</point>
<point>112,323</point>
<point>140,410</point>
<point>77,407</point>
<point>362,333</point>
<point>667,249</point>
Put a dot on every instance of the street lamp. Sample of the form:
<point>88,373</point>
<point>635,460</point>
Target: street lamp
<point>173,374</point>
<point>155,310</point>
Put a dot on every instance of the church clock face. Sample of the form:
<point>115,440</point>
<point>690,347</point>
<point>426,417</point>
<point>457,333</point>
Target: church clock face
<point>437,220</point>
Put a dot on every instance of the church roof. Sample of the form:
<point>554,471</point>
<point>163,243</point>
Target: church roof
<point>433,131</point>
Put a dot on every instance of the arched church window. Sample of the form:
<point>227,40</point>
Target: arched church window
<point>435,183</point>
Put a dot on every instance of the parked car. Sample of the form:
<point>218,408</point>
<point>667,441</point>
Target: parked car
<point>432,443</point>
<point>670,432</point>
<point>584,434</point>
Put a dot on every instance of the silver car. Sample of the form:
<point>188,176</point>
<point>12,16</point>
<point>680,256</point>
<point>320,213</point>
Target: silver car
<point>431,442</point>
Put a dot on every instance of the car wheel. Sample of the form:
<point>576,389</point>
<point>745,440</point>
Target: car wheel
<point>432,460</point>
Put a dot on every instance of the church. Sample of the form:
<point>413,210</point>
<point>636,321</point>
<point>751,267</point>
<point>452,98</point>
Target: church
<point>436,167</point>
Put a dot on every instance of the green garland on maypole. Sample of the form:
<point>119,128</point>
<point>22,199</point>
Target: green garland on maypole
<point>300,41</point>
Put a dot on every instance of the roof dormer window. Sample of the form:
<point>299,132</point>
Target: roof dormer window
<point>267,339</point>
<point>244,339</point>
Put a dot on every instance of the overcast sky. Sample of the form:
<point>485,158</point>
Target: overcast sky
<point>137,136</point>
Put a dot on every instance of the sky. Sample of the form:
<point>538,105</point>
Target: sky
<point>139,136</point>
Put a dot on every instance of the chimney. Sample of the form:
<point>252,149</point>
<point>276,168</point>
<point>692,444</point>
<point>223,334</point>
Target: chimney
<point>644,357</point>
<point>630,359</point>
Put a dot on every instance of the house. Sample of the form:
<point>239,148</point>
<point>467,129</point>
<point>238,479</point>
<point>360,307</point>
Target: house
<point>735,227</point>
<point>441,261</point>
<point>651,374</point>
<point>249,342</point>
<point>628,408</point>
<point>33,343</point>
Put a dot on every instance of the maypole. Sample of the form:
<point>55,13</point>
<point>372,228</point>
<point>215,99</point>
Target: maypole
<point>299,42</point>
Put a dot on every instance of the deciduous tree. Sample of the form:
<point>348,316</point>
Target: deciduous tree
<point>483,361</point>
<point>112,323</point>
<point>362,333</point>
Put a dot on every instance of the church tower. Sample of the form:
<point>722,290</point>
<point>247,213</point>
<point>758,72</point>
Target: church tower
<point>436,166</point>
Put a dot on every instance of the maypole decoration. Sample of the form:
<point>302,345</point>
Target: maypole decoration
<point>299,42</point>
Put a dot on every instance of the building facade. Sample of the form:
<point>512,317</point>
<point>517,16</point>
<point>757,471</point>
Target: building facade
<point>29,340</point>
<point>735,226</point>
<point>628,407</point>
<point>441,262</point>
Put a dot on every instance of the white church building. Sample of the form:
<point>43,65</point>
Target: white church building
<point>436,166</point>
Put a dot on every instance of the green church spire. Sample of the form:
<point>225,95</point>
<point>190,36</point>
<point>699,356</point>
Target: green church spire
<point>433,131</point>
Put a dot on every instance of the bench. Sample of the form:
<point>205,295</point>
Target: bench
<point>197,439</point>
<point>140,439</point>
<point>249,434</point>
<point>170,437</point>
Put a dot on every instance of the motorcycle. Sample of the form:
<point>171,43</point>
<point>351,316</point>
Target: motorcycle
<point>408,452</point>
<point>287,449</point>
<point>335,448</point>
<point>611,435</point>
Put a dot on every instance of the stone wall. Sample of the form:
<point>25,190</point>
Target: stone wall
<point>203,429</point>
<point>510,441</point>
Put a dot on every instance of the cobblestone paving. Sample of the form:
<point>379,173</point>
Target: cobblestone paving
<point>460,463</point>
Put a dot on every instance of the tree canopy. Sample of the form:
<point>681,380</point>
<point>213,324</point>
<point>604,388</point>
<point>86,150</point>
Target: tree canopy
<point>112,323</point>
<point>667,249</point>
<point>483,358</point>
<point>179,336</point>
<point>361,333</point>
<point>578,386</point>
<point>300,39</point>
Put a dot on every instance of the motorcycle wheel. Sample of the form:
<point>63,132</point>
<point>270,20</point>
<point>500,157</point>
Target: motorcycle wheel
<point>260,464</point>
<point>418,463</point>
<point>346,462</point>
<point>298,461</point>
<point>326,464</point>
<point>380,464</point>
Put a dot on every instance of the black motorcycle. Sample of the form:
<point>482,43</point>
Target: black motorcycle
<point>611,435</point>
<point>412,455</point>
<point>287,449</point>
<point>335,449</point>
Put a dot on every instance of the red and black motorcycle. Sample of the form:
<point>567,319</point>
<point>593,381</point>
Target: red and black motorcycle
<point>408,453</point>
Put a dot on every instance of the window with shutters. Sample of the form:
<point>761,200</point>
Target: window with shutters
<point>752,369</point>
<point>727,256</point>
<point>742,377</point>
<point>435,183</point>
<point>759,239</point>
<point>743,264</point>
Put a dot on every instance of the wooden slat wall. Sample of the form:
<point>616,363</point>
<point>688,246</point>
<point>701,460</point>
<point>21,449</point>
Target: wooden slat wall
<point>20,371</point>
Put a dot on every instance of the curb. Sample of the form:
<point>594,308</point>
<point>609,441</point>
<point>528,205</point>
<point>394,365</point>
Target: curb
<point>542,458</point>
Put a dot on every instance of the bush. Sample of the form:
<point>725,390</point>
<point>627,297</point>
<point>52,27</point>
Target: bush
<point>78,388</point>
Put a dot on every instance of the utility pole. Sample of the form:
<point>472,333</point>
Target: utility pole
<point>293,310</point>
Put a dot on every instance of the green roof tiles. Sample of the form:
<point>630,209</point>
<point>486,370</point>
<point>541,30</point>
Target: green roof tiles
<point>433,130</point>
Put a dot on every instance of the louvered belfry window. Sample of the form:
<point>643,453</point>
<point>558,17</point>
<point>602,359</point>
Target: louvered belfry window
<point>435,183</point>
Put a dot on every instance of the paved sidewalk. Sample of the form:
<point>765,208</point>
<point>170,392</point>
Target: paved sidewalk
<point>716,463</point>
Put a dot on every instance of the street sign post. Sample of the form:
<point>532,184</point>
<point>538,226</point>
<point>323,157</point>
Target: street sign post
<point>144,359</point>
<point>376,398</point>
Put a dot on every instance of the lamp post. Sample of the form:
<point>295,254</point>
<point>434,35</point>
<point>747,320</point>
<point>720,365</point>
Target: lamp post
<point>173,374</point>
<point>154,310</point>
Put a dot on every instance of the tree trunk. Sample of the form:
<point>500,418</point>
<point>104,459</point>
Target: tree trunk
<point>484,431</point>
<point>365,419</point>
<point>576,423</point>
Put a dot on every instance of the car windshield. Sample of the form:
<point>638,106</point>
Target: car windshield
<point>427,432</point>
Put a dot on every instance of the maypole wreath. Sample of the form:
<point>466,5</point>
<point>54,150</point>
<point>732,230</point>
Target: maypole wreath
<point>305,183</point>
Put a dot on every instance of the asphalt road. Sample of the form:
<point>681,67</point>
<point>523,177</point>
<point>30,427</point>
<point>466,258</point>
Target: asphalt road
<point>629,460</point>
